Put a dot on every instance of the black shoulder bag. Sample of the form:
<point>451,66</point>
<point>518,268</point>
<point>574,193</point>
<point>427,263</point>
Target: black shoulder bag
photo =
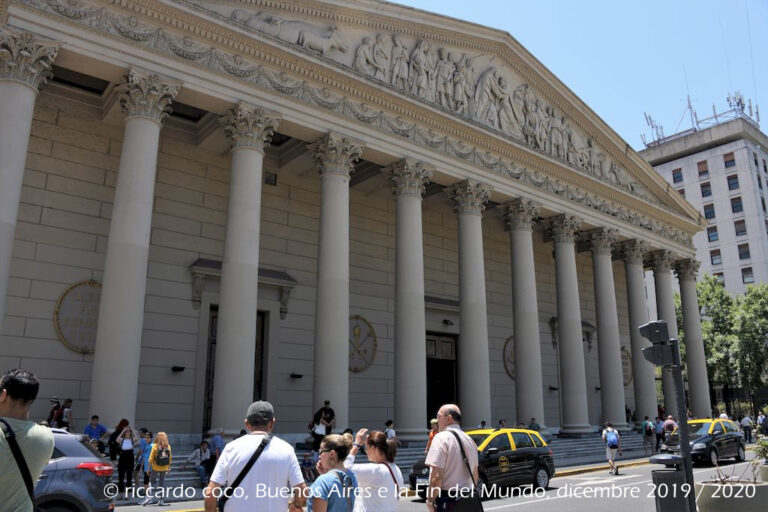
<point>10,437</point>
<point>469,503</point>
<point>227,493</point>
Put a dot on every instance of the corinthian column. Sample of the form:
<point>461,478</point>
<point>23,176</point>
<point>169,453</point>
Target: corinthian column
<point>698,383</point>
<point>248,130</point>
<point>25,65</point>
<point>334,157</point>
<point>643,372</point>
<point>665,309</point>
<point>573,379</point>
<point>145,99</point>
<point>602,242</point>
<point>409,179</point>
<point>519,216</point>
<point>474,378</point>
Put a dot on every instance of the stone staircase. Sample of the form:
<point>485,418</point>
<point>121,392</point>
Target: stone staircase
<point>572,452</point>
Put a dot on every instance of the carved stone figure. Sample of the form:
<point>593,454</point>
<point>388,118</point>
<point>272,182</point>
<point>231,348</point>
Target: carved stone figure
<point>487,96</point>
<point>444,79</point>
<point>418,77</point>
<point>556,139</point>
<point>364,61</point>
<point>431,72</point>
<point>399,63</point>
<point>311,41</point>
<point>463,88</point>
<point>510,114</point>
<point>380,58</point>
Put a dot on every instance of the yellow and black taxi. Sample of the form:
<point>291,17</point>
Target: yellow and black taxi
<point>507,456</point>
<point>711,440</point>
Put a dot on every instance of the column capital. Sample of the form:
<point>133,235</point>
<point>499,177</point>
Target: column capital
<point>247,126</point>
<point>634,251</point>
<point>564,228</point>
<point>469,196</point>
<point>335,154</point>
<point>144,94</point>
<point>602,240</point>
<point>25,57</point>
<point>520,214</point>
<point>409,177</point>
<point>661,260</point>
<point>687,269</point>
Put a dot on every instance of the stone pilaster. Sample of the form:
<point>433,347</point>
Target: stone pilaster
<point>145,99</point>
<point>474,379</point>
<point>248,129</point>
<point>25,64</point>
<point>334,156</point>
<point>573,379</point>
<point>698,382</point>
<point>602,242</point>
<point>662,261</point>
<point>519,217</point>
<point>409,178</point>
<point>644,373</point>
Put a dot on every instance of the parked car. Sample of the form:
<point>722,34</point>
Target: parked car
<point>711,440</point>
<point>75,478</point>
<point>507,456</point>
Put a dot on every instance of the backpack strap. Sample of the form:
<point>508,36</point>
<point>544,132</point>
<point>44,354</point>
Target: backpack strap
<point>10,437</point>
<point>345,486</point>
<point>397,486</point>
<point>464,456</point>
<point>227,493</point>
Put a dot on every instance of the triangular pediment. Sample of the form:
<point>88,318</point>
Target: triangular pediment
<point>475,73</point>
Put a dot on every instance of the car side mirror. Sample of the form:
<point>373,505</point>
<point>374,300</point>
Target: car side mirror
<point>492,451</point>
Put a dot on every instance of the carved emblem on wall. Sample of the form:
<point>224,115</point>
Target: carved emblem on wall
<point>362,343</point>
<point>76,316</point>
<point>509,357</point>
<point>626,365</point>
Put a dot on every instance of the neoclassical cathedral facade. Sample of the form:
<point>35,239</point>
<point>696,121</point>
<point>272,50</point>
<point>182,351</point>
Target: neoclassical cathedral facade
<point>204,203</point>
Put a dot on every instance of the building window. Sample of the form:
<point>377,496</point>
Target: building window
<point>765,167</point>
<point>703,169</point>
<point>709,211</point>
<point>743,251</point>
<point>754,155</point>
<point>715,257</point>
<point>747,277</point>
<point>766,227</point>
<point>759,182</point>
<point>733,182</point>
<point>730,160</point>
<point>720,278</point>
<point>762,201</point>
<point>736,205</point>
<point>741,227</point>
<point>712,232</point>
<point>677,175</point>
<point>706,189</point>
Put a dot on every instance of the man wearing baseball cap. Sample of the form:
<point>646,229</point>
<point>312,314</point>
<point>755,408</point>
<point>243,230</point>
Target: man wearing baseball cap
<point>272,484</point>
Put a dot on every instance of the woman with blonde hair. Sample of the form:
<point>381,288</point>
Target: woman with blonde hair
<point>380,479</point>
<point>160,464</point>
<point>335,489</point>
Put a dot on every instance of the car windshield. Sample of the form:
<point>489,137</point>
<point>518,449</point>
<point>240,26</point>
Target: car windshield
<point>698,429</point>
<point>478,438</point>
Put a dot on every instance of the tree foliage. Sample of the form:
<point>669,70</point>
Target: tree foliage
<point>751,327</point>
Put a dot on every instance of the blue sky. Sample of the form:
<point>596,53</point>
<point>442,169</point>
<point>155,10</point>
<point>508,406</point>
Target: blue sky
<point>624,58</point>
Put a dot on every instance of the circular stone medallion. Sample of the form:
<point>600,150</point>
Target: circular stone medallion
<point>76,316</point>
<point>362,344</point>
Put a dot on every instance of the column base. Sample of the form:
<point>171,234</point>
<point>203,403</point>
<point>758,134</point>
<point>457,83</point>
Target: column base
<point>624,427</point>
<point>577,431</point>
<point>412,435</point>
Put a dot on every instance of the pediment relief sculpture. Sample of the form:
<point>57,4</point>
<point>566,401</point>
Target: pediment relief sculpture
<point>510,107</point>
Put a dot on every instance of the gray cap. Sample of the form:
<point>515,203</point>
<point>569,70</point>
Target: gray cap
<point>261,412</point>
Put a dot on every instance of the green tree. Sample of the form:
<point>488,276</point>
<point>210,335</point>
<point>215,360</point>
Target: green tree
<point>751,329</point>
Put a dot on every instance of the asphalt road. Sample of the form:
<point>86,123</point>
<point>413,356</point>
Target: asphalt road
<point>597,491</point>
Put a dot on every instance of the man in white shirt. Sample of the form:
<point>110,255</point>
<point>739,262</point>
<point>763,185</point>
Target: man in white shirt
<point>273,484</point>
<point>746,426</point>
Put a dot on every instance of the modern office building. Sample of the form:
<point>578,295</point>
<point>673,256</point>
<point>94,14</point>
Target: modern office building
<point>437,218</point>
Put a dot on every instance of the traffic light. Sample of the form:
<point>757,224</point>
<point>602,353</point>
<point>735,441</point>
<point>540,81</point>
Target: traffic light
<point>656,331</point>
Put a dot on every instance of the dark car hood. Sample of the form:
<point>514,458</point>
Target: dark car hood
<point>675,440</point>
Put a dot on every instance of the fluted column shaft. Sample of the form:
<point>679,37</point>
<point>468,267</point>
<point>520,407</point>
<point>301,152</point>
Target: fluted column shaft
<point>409,179</point>
<point>643,372</point>
<point>25,64</point>
<point>335,156</point>
<point>608,346</point>
<point>145,99</point>
<point>665,309</point>
<point>573,379</point>
<point>519,216</point>
<point>698,382</point>
<point>474,377</point>
<point>248,129</point>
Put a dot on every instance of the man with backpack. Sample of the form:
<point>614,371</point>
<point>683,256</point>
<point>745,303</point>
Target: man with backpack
<point>649,432</point>
<point>612,445</point>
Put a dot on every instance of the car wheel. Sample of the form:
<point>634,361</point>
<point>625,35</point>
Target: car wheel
<point>713,460</point>
<point>740,455</point>
<point>541,478</point>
